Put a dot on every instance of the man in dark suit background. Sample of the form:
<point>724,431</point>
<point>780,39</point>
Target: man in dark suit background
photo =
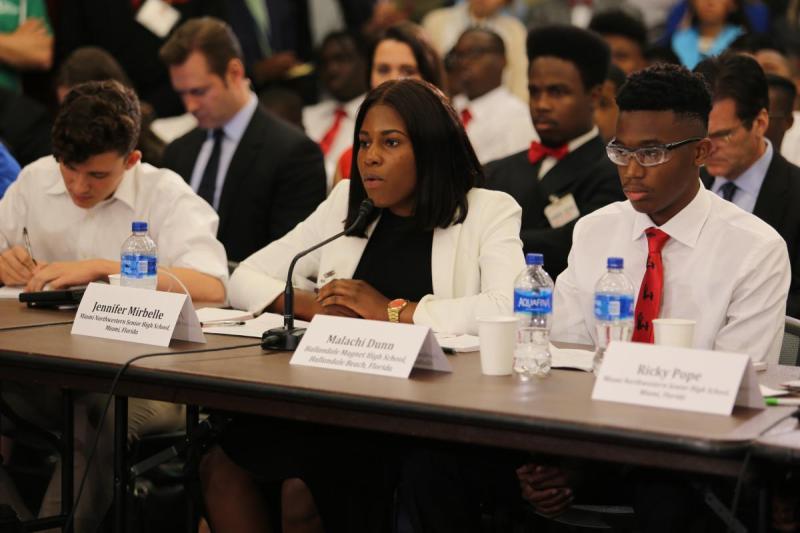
<point>568,174</point>
<point>262,175</point>
<point>743,166</point>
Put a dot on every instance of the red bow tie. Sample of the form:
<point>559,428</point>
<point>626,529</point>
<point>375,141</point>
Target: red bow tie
<point>539,151</point>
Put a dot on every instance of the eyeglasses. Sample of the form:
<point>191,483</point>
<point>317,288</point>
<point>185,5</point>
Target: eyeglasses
<point>648,156</point>
<point>724,135</point>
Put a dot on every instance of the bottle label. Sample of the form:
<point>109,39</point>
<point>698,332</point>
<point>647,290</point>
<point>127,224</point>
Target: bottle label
<point>608,307</point>
<point>138,266</point>
<point>537,302</point>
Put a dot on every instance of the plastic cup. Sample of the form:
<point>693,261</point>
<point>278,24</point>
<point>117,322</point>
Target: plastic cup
<point>677,332</point>
<point>113,279</point>
<point>497,336</point>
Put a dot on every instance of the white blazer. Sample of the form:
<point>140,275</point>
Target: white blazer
<point>473,264</point>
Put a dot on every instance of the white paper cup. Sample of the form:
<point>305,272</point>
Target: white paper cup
<point>113,279</point>
<point>497,336</point>
<point>677,332</point>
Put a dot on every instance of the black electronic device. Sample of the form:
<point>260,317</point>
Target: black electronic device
<point>54,298</point>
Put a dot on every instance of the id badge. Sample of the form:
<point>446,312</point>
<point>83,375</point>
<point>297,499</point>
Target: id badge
<point>561,211</point>
<point>158,16</point>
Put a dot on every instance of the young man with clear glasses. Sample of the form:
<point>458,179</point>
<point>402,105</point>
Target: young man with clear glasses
<point>719,265</point>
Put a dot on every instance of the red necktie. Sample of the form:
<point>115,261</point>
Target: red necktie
<point>327,139</point>
<point>539,151</point>
<point>466,116</point>
<point>648,305</point>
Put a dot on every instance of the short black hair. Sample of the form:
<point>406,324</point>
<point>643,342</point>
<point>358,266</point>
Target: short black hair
<point>755,42</point>
<point>355,38</point>
<point>96,117</point>
<point>497,41</point>
<point>90,63</point>
<point>586,50</point>
<point>447,167</point>
<point>740,78</point>
<point>429,62</point>
<point>622,23</point>
<point>667,87</point>
<point>616,76</point>
<point>661,54</point>
<point>786,86</point>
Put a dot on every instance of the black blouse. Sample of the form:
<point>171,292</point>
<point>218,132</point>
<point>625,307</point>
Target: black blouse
<point>397,259</point>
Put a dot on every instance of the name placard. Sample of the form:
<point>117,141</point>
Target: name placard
<point>677,378</point>
<point>369,347</point>
<point>136,315</point>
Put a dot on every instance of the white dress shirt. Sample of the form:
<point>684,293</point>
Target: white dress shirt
<point>549,161</point>
<point>749,182</point>
<point>473,264</point>
<point>318,119</point>
<point>232,134</point>
<point>723,267</point>
<point>183,226</point>
<point>500,124</point>
<point>445,25</point>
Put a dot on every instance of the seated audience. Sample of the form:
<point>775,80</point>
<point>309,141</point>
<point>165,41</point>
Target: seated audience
<point>497,122</point>
<point>606,110</point>
<point>414,161</point>
<point>714,26</point>
<point>690,236</point>
<point>77,208</point>
<point>446,24</point>
<point>568,172</point>
<point>26,41</point>
<point>578,14</point>
<point>261,175</point>
<point>283,103</point>
<point>782,94</point>
<point>343,73</point>
<point>95,64</point>
<point>743,166</point>
<point>402,51</point>
<point>625,35</point>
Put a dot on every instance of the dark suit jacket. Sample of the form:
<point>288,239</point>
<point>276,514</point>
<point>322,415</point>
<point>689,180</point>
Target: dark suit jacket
<point>778,204</point>
<point>275,180</point>
<point>586,173</point>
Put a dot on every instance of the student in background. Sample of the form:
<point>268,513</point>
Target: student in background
<point>343,73</point>
<point>606,110</point>
<point>782,94</point>
<point>625,35</point>
<point>567,172</point>
<point>496,121</point>
<point>715,24</point>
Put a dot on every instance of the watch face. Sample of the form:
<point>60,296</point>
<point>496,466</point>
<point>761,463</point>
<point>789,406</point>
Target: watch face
<point>397,302</point>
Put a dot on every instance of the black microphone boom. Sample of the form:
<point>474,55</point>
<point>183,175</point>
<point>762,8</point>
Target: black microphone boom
<point>288,337</point>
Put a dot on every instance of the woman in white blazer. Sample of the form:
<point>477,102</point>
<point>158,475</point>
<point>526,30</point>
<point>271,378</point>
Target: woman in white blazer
<point>476,252</point>
<point>437,251</point>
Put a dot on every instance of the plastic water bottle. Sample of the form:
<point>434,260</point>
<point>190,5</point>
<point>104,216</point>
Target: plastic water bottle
<point>533,306</point>
<point>139,261</point>
<point>613,308</point>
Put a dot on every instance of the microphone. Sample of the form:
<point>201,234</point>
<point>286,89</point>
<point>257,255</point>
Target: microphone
<point>287,338</point>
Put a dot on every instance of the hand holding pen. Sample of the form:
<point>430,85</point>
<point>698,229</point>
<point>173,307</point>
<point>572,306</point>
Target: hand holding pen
<point>16,264</point>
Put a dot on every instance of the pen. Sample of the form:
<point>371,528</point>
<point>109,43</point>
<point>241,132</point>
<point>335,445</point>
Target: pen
<point>28,244</point>
<point>782,401</point>
<point>213,324</point>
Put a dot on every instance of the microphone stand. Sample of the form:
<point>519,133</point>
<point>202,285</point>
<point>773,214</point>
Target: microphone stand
<point>287,338</point>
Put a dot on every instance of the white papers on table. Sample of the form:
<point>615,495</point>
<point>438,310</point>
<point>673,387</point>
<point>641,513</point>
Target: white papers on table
<point>768,391</point>
<point>10,293</point>
<point>254,327</point>
<point>571,358</point>
<point>458,343</point>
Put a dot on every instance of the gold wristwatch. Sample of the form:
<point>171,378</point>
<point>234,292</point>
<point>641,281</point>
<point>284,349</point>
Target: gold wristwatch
<point>394,309</point>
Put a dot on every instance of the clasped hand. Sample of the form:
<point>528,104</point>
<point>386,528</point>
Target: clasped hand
<point>352,297</point>
<point>546,488</point>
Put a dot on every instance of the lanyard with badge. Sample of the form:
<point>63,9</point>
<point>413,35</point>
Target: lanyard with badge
<point>561,210</point>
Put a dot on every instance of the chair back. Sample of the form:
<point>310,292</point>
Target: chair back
<point>790,347</point>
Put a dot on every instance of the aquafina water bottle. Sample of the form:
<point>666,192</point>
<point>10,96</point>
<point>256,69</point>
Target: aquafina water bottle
<point>533,306</point>
<point>613,308</point>
<point>139,262</point>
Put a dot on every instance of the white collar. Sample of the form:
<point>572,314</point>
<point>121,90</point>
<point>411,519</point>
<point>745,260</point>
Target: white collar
<point>685,226</point>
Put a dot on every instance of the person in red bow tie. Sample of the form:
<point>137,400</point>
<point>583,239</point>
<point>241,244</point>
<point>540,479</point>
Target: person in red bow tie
<point>565,174</point>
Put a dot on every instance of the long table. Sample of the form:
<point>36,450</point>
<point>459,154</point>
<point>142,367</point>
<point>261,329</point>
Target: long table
<point>554,415</point>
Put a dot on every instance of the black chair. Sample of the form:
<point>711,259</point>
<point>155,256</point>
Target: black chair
<point>790,347</point>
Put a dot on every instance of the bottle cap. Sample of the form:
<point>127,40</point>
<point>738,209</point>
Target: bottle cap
<point>615,262</point>
<point>534,259</point>
<point>139,226</point>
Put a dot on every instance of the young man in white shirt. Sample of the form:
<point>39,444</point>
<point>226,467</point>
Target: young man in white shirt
<point>497,121</point>
<point>77,207</point>
<point>700,257</point>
